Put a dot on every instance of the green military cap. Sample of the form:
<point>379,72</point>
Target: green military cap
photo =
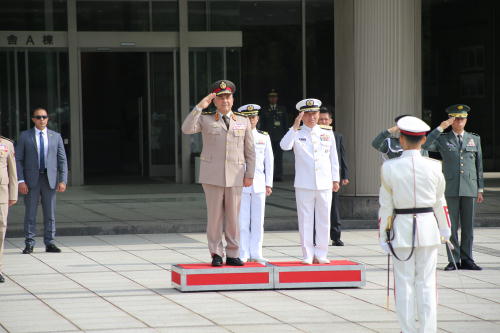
<point>248,110</point>
<point>223,87</point>
<point>272,92</point>
<point>458,110</point>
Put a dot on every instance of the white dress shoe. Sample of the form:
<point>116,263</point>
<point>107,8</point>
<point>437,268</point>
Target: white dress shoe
<point>244,259</point>
<point>307,261</point>
<point>323,260</point>
<point>261,260</point>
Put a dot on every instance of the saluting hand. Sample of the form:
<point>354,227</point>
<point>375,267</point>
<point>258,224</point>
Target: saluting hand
<point>445,124</point>
<point>393,130</point>
<point>205,102</point>
<point>296,123</point>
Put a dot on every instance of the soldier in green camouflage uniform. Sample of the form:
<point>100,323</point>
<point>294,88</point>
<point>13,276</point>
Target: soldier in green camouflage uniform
<point>388,144</point>
<point>463,171</point>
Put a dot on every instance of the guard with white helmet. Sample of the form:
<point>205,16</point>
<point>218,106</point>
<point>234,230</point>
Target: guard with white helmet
<point>413,222</point>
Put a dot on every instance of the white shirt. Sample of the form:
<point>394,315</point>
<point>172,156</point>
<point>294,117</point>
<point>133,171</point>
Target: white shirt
<point>264,163</point>
<point>413,181</point>
<point>45,144</point>
<point>316,159</point>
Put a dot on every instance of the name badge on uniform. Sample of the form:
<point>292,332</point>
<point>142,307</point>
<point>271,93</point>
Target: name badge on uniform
<point>277,123</point>
<point>302,139</point>
<point>324,137</point>
<point>239,126</point>
<point>260,142</point>
<point>471,143</point>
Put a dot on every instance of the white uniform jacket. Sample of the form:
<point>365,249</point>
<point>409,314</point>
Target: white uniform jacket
<point>413,181</point>
<point>264,163</point>
<point>316,159</point>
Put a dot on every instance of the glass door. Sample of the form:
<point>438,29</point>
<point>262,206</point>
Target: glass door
<point>29,79</point>
<point>162,139</point>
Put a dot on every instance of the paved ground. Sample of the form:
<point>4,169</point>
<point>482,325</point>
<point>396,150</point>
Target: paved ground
<point>121,283</point>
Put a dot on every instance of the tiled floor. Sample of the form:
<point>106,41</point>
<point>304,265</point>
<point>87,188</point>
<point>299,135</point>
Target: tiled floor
<point>121,283</point>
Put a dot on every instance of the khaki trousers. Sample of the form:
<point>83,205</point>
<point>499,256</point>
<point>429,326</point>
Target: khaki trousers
<point>223,207</point>
<point>4,210</point>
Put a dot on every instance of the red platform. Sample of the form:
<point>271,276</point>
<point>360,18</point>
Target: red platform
<point>274,275</point>
<point>338,273</point>
<point>197,277</point>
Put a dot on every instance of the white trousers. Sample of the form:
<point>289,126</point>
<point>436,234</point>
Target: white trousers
<point>314,205</point>
<point>415,289</point>
<point>252,224</point>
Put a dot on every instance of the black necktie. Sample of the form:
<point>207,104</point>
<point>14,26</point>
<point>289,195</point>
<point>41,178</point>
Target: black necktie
<point>459,140</point>
<point>226,121</point>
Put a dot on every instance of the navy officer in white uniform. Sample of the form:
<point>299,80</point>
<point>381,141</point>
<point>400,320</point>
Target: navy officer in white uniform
<point>316,176</point>
<point>413,222</point>
<point>253,199</point>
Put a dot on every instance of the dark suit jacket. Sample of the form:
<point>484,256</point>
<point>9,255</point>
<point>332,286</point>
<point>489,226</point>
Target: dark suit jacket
<point>344,171</point>
<point>27,159</point>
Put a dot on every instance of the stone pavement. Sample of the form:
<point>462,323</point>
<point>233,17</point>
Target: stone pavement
<point>121,283</point>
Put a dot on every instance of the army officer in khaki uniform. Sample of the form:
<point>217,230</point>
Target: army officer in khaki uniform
<point>8,189</point>
<point>463,171</point>
<point>227,147</point>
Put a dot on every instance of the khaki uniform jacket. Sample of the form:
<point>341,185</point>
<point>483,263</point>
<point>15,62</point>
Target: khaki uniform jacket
<point>8,174</point>
<point>225,151</point>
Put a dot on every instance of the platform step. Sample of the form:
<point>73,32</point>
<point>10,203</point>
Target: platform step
<point>273,275</point>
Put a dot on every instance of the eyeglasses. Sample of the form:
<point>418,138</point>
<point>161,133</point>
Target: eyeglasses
<point>40,117</point>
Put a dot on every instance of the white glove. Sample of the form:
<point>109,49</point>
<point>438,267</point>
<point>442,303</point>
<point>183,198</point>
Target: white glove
<point>385,247</point>
<point>445,233</point>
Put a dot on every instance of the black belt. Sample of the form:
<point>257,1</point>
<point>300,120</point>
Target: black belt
<point>404,211</point>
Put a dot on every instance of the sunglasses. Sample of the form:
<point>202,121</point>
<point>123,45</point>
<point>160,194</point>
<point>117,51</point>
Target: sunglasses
<point>40,117</point>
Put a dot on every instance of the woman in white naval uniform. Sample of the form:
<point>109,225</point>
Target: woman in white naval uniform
<point>316,176</point>
<point>253,199</point>
<point>412,190</point>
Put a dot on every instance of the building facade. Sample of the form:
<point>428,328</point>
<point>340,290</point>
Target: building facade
<point>118,76</point>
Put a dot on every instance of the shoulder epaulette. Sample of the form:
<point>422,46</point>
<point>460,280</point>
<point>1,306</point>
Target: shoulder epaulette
<point>208,112</point>
<point>263,132</point>
<point>326,127</point>
<point>3,137</point>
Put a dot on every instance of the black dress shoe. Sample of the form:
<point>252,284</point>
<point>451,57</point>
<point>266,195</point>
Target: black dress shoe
<point>337,243</point>
<point>470,265</point>
<point>52,248</point>
<point>451,267</point>
<point>28,249</point>
<point>2,279</point>
<point>234,262</point>
<point>217,260</point>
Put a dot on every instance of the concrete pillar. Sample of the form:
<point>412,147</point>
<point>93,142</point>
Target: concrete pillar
<point>377,77</point>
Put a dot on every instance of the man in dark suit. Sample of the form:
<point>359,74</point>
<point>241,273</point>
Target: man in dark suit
<point>325,118</point>
<point>274,120</point>
<point>42,170</point>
